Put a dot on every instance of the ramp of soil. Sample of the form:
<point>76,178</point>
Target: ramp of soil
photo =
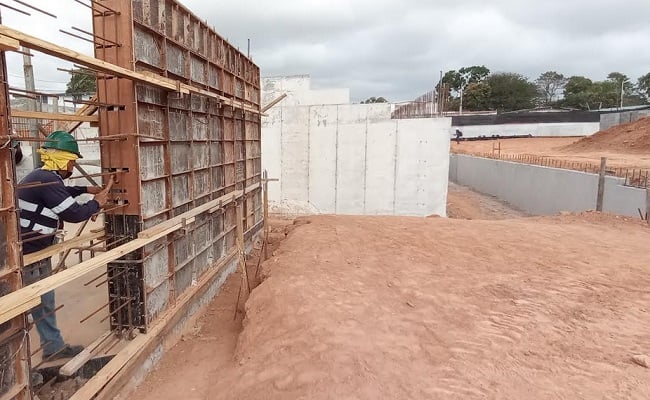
<point>633,137</point>
<point>407,308</point>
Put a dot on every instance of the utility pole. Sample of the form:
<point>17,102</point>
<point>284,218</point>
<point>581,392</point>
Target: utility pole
<point>622,91</point>
<point>440,100</point>
<point>33,104</point>
<point>460,108</point>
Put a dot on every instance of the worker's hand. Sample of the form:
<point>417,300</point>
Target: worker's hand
<point>98,189</point>
<point>102,198</point>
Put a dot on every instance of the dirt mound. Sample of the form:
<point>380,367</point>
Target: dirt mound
<point>632,137</point>
<point>414,308</point>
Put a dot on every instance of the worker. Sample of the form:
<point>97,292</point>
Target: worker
<point>43,208</point>
<point>459,135</point>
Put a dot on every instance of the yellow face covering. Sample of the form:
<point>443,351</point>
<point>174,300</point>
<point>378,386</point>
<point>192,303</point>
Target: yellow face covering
<point>56,160</point>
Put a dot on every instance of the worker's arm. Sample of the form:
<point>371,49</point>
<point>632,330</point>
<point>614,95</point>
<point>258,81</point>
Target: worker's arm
<point>79,190</point>
<point>58,199</point>
<point>75,191</point>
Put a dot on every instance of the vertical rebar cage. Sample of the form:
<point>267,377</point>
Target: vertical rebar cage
<point>183,150</point>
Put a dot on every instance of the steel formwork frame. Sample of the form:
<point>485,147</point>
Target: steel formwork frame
<point>14,343</point>
<point>182,150</point>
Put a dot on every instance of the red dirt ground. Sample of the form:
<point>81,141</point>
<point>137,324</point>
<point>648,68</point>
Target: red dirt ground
<point>409,308</point>
<point>633,137</point>
<point>555,148</point>
<point>464,203</point>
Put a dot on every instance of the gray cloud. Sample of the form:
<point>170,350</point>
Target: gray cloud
<point>397,48</point>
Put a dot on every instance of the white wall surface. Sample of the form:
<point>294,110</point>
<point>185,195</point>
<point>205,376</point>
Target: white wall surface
<point>543,190</point>
<point>333,157</point>
<point>353,159</point>
<point>299,92</point>
<point>553,129</point>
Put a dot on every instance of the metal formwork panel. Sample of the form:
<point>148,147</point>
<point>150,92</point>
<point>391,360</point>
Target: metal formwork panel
<point>185,149</point>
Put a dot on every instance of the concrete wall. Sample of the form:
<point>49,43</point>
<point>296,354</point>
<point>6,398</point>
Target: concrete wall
<point>333,157</point>
<point>353,159</point>
<point>609,120</point>
<point>299,92</point>
<point>542,190</point>
<point>551,129</point>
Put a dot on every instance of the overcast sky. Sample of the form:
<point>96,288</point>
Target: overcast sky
<point>395,48</point>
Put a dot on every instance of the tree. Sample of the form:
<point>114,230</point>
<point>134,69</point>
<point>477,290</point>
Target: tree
<point>372,100</point>
<point>549,84</point>
<point>605,94</point>
<point>457,80</point>
<point>477,96</point>
<point>624,86</point>
<point>510,92</point>
<point>643,87</point>
<point>577,92</point>
<point>81,84</point>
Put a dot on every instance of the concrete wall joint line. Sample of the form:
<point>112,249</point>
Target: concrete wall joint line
<point>309,154</point>
<point>395,167</point>
<point>336,168</point>
<point>365,165</point>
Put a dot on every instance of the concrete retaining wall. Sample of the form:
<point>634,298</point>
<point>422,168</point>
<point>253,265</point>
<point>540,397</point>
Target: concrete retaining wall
<point>543,190</point>
<point>550,129</point>
<point>353,159</point>
<point>609,120</point>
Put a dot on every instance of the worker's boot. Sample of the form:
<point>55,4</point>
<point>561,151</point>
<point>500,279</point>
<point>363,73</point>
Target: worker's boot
<point>68,351</point>
<point>36,379</point>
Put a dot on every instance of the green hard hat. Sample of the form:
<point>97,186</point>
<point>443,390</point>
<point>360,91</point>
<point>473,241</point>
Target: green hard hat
<point>62,140</point>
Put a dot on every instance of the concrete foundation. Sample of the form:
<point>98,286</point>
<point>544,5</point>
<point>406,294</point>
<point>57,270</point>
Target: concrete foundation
<point>543,190</point>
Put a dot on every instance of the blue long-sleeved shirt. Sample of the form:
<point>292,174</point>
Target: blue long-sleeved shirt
<point>43,208</point>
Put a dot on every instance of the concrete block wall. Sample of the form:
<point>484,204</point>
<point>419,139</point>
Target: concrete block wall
<point>353,159</point>
<point>542,190</point>
<point>538,129</point>
<point>612,119</point>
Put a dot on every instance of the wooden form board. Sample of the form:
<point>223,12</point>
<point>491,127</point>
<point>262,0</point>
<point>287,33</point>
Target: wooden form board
<point>22,300</point>
<point>82,358</point>
<point>15,369</point>
<point>102,385</point>
<point>61,247</point>
<point>54,116</point>
<point>8,44</point>
<point>102,66</point>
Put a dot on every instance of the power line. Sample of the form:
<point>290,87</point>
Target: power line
<point>40,80</point>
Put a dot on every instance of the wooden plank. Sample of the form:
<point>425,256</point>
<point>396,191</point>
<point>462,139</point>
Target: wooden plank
<point>103,385</point>
<point>53,116</point>
<point>647,204</point>
<point>245,285</point>
<point>14,392</point>
<point>61,247</point>
<point>601,184</point>
<point>273,103</point>
<point>80,359</point>
<point>87,109</point>
<point>8,44</point>
<point>103,66</point>
<point>266,215</point>
<point>223,200</point>
<point>22,300</point>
